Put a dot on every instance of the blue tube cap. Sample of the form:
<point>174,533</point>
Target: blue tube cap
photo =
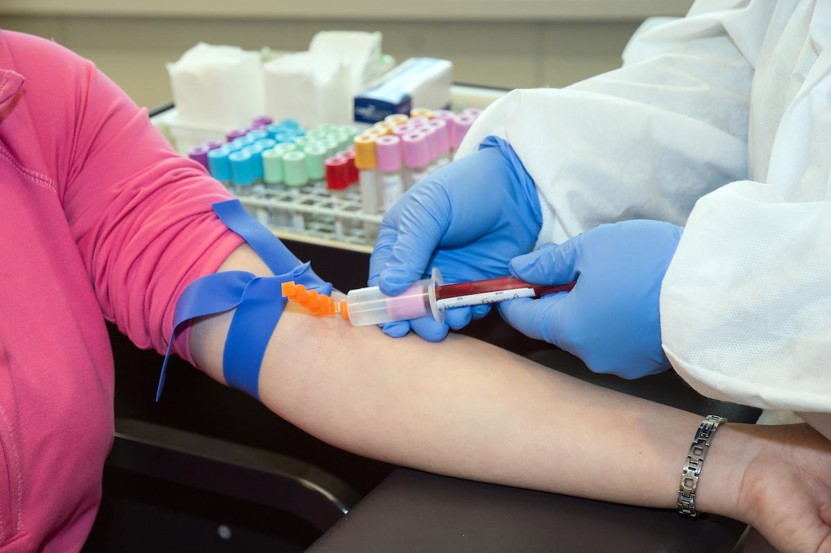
<point>219,165</point>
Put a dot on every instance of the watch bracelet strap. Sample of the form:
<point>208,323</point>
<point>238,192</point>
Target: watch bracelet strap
<point>694,464</point>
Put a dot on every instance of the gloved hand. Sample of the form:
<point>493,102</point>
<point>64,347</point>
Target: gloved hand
<point>468,219</point>
<point>610,318</point>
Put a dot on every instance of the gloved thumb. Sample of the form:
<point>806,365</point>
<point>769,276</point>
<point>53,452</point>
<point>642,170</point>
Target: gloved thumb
<point>536,318</point>
<point>550,264</point>
<point>398,260</point>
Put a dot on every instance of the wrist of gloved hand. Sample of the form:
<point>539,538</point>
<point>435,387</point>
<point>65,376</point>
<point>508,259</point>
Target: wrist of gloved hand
<point>610,319</point>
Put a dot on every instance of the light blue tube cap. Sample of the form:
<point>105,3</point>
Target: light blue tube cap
<point>273,130</point>
<point>266,143</point>
<point>256,134</point>
<point>243,168</point>
<point>240,143</point>
<point>290,123</point>
<point>256,152</point>
<point>219,165</point>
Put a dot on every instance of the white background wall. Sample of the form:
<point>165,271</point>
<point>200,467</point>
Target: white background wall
<point>504,43</point>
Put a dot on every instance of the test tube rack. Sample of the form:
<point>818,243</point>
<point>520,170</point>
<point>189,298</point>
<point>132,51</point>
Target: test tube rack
<point>280,195</point>
<point>311,211</point>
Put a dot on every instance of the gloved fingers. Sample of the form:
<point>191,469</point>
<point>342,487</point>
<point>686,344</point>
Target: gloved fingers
<point>387,235</point>
<point>550,264</point>
<point>536,318</point>
<point>396,329</point>
<point>458,317</point>
<point>407,240</point>
<point>479,311</point>
<point>429,329</point>
<point>432,331</point>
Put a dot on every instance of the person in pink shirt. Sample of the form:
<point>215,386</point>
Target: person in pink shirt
<point>102,221</point>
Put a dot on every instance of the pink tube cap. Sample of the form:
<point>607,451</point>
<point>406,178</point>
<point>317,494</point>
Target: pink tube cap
<point>416,150</point>
<point>388,153</point>
<point>458,129</point>
<point>442,135</point>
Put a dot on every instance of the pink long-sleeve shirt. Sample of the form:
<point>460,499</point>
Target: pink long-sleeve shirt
<point>99,220</point>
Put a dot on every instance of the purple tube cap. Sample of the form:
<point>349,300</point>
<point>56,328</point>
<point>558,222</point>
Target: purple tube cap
<point>200,154</point>
<point>235,133</point>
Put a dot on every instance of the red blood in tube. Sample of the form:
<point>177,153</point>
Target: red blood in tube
<point>446,291</point>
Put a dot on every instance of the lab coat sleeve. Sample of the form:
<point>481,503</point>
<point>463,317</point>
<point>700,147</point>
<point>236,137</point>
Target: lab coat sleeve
<point>643,141</point>
<point>746,302</point>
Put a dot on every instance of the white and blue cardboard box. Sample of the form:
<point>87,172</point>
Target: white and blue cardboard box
<point>418,82</point>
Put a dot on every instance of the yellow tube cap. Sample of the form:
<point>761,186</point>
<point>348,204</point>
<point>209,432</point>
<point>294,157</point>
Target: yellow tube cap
<point>365,152</point>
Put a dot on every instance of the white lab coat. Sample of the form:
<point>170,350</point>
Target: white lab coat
<point>719,121</point>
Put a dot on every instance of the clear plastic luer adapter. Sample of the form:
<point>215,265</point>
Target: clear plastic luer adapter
<point>368,306</point>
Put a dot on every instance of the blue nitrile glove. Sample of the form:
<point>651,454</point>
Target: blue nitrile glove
<point>468,219</point>
<point>610,318</point>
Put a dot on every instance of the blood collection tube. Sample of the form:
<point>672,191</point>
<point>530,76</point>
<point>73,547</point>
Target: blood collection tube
<point>256,152</point>
<point>296,175</point>
<point>199,154</point>
<point>349,154</point>
<point>337,174</point>
<point>401,130</point>
<point>441,137</point>
<point>421,113</point>
<point>416,156</point>
<point>241,142</point>
<point>256,134</point>
<point>383,127</point>
<point>365,161</point>
<point>396,118</point>
<point>418,122</point>
<point>233,134</point>
<point>443,114</point>
<point>433,146</point>
<point>272,167</point>
<point>243,172</point>
<point>274,177</point>
<point>316,155</point>
<point>492,290</point>
<point>261,121</point>
<point>388,154</point>
<point>219,165</point>
<point>337,183</point>
<point>458,129</point>
<point>289,123</point>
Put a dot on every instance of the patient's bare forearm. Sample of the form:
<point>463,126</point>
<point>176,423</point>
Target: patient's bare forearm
<point>466,408</point>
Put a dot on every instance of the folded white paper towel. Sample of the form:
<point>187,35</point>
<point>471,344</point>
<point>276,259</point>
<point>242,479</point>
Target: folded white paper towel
<point>359,50</point>
<point>312,88</point>
<point>217,86</point>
